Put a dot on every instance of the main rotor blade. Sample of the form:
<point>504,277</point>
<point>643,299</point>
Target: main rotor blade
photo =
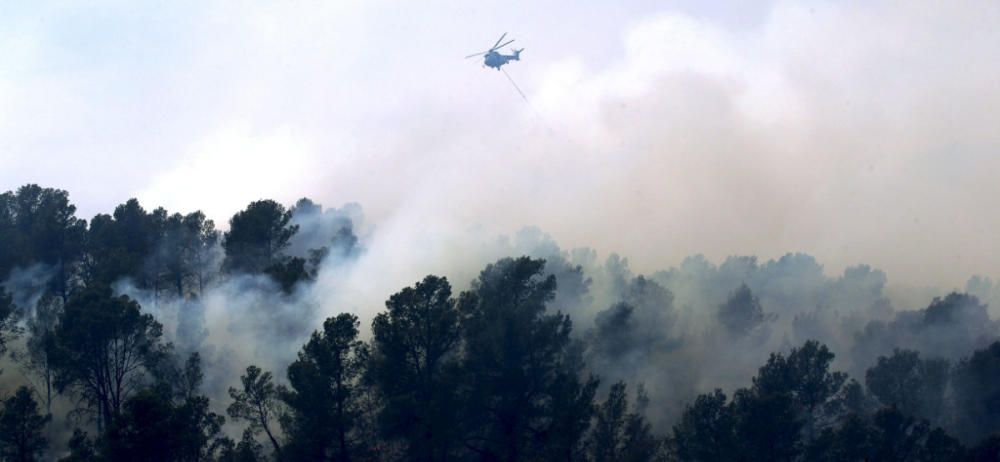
<point>477,54</point>
<point>501,46</point>
<point>500,39</point>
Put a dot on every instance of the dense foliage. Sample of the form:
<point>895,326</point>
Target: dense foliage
<point>497,372</point>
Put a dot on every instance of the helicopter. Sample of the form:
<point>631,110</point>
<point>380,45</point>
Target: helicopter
<point>494,59</point>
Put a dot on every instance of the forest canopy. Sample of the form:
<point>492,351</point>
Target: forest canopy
<point>157,335</point>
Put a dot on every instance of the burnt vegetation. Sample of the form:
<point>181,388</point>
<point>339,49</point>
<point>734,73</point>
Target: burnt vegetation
<point>549,356</point>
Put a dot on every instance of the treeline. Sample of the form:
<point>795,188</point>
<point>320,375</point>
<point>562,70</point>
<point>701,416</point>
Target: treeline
<point>495,372</point>
<point>158,250</point>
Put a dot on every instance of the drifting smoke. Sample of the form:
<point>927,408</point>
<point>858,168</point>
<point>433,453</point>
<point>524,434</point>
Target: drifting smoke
<point>855,132</point>
<point>813,130</point>
<point>680,331</point>
<point>27,285</point>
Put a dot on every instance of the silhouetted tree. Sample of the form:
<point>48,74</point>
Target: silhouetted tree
<point>81,448</point>
<point>257,403</point>
<point>38,225</point>
<point>186,252</point>
<point>257,237</point>
<point>36,358</point>
<point>852,440</point>
<point>288,272</point>
<point>653,303</point>
<point>515,355</point>
<point>153,428</point>
<point>772,420</point>
<point>804,374</point>
<point>200,247</point>
<point>768,425</point>
<point>977,393</point>
<point>804,377</point>
<point>179,380</point>
<point>573,286</point>
<point>613,335</point>
<point>344,243</point>
<point>706,430</point>
<point>620,435</point>
<point>851,400</point>
<point>118,246</point>
<point>21,428</point>
<point>630,333</point>
<point>912,385</point>
<point>104,347</point>
<point>323,395</point>
<point>950,327</point>
<point>414,366</point>
<point>888,435</point>
<point>572,409</point>
<point>897,437</point>
<point>742,312</point>
<point>247,450</point>
<point>198,429</point>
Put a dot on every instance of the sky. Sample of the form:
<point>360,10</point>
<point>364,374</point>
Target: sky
<point>853,131</point>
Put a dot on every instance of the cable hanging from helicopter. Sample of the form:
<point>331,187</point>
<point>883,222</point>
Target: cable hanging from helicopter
<point>496,60</point>
<point>493,58</point>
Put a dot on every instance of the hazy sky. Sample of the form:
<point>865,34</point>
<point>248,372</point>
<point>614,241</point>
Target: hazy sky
<point>854,131</point>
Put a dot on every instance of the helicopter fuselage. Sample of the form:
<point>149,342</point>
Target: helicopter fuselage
<point>495,60</point>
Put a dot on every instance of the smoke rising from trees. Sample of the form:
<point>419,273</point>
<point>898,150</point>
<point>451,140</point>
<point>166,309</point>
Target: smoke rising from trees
<point>201,322</point>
